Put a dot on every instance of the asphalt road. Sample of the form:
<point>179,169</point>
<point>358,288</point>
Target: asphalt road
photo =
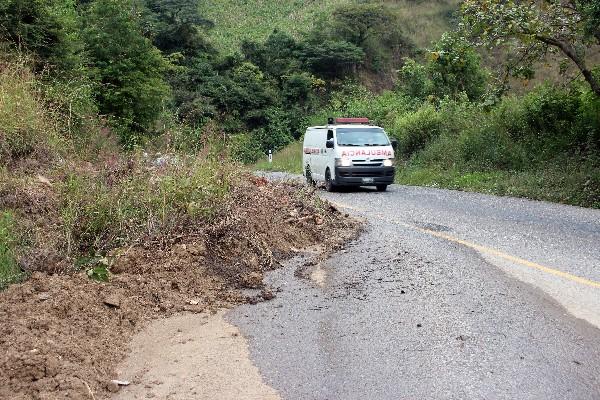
<point>447,295</point>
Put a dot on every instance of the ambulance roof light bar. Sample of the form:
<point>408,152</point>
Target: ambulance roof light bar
<point>332,121</point>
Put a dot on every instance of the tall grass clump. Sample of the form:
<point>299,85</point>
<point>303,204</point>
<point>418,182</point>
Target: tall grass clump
<point>159,197</point>
<point>25,127</point>
<point>9,269</point>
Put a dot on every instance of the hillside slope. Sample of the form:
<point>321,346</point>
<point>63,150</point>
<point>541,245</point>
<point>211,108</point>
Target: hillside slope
<point>424,20</point>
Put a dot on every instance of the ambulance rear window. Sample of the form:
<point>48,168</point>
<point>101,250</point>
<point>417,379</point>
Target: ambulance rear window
<point>362,137</point>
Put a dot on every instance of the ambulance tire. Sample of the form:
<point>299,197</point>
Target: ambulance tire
<point>309,180</point>
<point>329,185</point>
<point>381,188</point>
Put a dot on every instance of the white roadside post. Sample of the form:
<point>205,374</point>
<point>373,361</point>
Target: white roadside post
<point>270,156</point>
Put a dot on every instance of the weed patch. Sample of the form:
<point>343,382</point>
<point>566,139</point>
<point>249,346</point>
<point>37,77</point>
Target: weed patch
<point>9,269</point>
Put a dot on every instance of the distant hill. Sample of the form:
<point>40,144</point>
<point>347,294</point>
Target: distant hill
<point>236,20</point>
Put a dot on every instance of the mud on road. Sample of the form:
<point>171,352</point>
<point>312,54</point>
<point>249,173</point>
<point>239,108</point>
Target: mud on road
<point>63,335</point>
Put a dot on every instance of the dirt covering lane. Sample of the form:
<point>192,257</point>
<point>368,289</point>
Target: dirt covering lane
<point>63,335</point>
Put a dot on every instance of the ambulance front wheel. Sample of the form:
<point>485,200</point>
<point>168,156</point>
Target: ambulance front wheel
<point>329,185</point>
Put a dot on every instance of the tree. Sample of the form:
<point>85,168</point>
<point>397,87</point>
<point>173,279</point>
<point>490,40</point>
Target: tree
<point>452,68</point>
<point>372,27</point>
<point>277,56</point>
<point>129,68</point>
<point>175,26</point>
<point>537,27</point>
<point>455,68</point>
<point>48,28</point>
<point>331,58</point>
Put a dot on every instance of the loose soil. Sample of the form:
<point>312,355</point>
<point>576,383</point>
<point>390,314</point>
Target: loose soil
<point>63,334</point>
<point>192,356</point>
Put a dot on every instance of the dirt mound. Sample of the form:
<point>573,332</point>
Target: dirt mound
<point>62,335</point>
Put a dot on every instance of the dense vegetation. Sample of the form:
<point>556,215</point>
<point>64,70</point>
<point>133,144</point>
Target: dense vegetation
<point>92,89</point>
<point>459,123</point>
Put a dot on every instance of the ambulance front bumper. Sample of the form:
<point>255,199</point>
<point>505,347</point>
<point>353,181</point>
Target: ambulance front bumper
<point>364,176</point>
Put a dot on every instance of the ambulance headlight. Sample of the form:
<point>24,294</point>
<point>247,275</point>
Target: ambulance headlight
<point>388,162</point>
<point>343,162</point>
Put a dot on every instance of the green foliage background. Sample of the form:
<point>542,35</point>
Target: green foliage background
<point>243,77</point>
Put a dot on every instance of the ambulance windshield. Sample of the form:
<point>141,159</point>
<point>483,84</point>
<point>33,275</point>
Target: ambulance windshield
<point>362,137</point>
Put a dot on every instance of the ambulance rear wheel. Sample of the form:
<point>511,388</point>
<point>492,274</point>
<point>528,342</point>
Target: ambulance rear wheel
<point>381,188</point>
<point>329,185</point>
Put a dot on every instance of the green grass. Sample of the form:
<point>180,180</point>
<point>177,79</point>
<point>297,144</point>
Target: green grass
<point>100,216</point>
<point>9,268</point>
<point>288,159</point>
<point>560,183</point>
<point>236,20</point>
<point>24,123</point>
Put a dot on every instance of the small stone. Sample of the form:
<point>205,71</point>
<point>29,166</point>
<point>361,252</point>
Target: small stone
<point>419,325</point>
<point>112,387</point>
<point>402,292</point>
<point>194,302</point>
<point>113,300</point>
<point>43,296</point>
<point>267,294</point>
<point>44,180</point>
<point>253,280</point>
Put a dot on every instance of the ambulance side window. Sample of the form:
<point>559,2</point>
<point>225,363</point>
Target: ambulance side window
<point>329,134</point>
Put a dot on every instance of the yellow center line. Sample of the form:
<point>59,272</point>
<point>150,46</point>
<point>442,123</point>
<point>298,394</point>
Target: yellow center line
<point>483,249</point>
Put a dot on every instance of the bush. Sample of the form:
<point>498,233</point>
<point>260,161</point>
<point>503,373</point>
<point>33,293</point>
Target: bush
<point>331,58</point>
<point>414,130</point>
<point>413,80</point>
<point>588,121</point>
<point>245,148</point>
<point>274,128</point>
<point>550,121</point>
<point>487,149</point>
<point>374,28</point>
<point>455,67</point>
<point>48,28</point>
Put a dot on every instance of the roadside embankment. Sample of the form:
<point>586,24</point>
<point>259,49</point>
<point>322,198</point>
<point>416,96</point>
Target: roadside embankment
<point>64,333</point>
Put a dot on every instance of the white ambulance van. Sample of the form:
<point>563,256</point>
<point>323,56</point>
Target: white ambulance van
<point>348,152</point>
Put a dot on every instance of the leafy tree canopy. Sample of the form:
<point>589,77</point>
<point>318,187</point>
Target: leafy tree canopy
<point>452,68</point>
<point>374,28</point>
<point>176,26</point>
<point>129,68</point>
<point>48,28</point>
<point>536,27</point>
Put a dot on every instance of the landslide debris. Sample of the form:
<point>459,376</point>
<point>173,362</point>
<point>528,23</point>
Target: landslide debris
<point>62,333</point>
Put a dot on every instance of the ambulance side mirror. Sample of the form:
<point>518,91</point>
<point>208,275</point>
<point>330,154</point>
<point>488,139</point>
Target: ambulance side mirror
<point>329,144</point>
<point>394,144</point>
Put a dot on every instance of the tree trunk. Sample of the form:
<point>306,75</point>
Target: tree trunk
<point>568,50</point>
